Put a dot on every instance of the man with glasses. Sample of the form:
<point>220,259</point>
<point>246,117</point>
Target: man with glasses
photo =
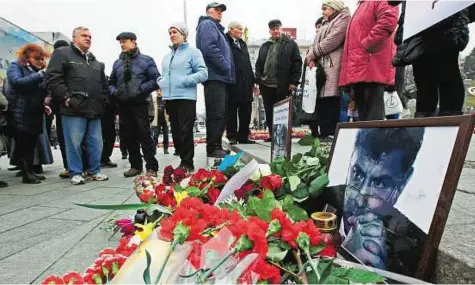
<point>381,166</point>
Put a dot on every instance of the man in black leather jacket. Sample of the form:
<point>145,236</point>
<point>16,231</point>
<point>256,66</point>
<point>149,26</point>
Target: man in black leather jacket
<point>77,80</point>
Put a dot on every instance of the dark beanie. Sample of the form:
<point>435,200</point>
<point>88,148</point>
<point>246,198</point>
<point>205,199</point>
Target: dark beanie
<point>60,43</point>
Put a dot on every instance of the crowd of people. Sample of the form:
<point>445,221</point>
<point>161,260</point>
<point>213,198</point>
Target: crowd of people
<point>358,57</point>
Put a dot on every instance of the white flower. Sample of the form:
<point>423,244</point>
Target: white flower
<point>263,170</point>
<point>313,161</point>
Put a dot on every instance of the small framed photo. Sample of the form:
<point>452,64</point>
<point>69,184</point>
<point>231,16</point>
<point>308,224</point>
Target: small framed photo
<point>282,129</point>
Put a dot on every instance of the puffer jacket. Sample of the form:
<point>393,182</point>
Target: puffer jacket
<point>448,35</point>
<point>214,46</point>
<point>79,78</point>
<point>27,90</point>
<point>369,46</point>
<point>144,74</point>
<point>183,69</point>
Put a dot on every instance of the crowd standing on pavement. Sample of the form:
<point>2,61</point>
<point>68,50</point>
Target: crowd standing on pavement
<point>357,57</point>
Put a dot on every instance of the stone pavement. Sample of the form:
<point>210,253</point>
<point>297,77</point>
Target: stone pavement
<point>42,232</point>
<point>456,256</point>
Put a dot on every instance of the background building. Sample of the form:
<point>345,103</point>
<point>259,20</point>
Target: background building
<point>52,37</point>
<point>258,113</point>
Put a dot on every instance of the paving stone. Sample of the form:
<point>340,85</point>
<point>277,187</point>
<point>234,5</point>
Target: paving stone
<point>24,237</point>
<point>26,216</point>
<point>467,180</point>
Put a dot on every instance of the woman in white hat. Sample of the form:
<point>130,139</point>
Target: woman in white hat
<point>182,70</point>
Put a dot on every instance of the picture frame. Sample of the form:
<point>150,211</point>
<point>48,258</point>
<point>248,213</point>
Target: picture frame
<point>281,145</point>
<point>456,129</point>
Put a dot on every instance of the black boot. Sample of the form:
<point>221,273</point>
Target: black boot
<point>29,177</point>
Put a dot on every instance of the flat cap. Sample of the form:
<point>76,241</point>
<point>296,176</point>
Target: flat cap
<point>274,23</point>
<point>126,36</point>
<point>216,5</point>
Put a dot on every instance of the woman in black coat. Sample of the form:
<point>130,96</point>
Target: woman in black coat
<point>434,55</point>
<point>27,90</point>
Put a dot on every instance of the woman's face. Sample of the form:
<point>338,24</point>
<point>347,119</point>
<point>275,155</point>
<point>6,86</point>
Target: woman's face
<point>37,60</point>
<point>176,37</point>
<point>327,12</point>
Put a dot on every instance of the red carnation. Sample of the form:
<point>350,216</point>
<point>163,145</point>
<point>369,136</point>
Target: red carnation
<point>107,251</point>
<point>126,226</point>
<point>168,170</point>
<point>271,182</point>
<point>242,192</point>
<point>94,275</point>
<point>160,189</point>
<point>218,178</point>
<point>213,194</point>
<point>53,279</point>
<point>179,174</point>
<point>146,196</point>
<point>73,278</point>
<point>201,175</point>
<point>330,249</point>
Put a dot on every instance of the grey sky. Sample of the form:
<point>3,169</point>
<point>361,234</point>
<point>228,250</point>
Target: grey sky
<point>150,20</point>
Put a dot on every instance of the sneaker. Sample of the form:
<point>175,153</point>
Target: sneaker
<point>77,180</point>
<point>99,177</point>
<point>151,173</point>
<point>217,154</point>
<point>64,173</point>
<point>132,172</point>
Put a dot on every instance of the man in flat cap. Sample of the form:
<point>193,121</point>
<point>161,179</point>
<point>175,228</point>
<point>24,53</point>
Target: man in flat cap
<point>214,46</point>
<point>133,78</point>
<point>278,69</point>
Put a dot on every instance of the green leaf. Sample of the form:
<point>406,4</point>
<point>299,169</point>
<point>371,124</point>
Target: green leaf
<point>289,167</point>
<point>362,276</point>
<point>268,195</point>
<point>296,213</point>
<point>193,191</point>
<point>288,201</point>
<point>316,143</point>
<point>313,152</point>
<point>297,158</point>
<point>146,273</point>
<point>317,185</point>
<point>159,208</point>
<point>313,161</point>
<point>285,245</point>
<point>325,268</point>
<point>294,182</point>
<point>117,207</point>
<point>178,188</point>
<point>301,192</point>
<point>306,141</point>
<point>316,249</point>
<point>262,208</point>
<point>275,253</point>
<point>336,280</point>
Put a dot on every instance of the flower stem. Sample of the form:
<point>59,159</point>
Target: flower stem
<point>203,278</point>
<point>303,171</point>
<point>310,260</point>
<point>169,253</point>
<point>285,270</point>
<point>296,254</point>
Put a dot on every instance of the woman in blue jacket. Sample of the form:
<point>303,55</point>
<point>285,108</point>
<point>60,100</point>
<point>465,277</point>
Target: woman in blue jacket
<point>182,70</point>
<point>27,90</point>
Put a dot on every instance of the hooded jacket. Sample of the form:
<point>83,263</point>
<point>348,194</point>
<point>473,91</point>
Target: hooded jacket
<point>212,42</point>
<point>142,81</point>
<point>81,79</point>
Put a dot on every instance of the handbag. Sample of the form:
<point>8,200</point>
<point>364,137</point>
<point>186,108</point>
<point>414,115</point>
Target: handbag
<point>392,103</point>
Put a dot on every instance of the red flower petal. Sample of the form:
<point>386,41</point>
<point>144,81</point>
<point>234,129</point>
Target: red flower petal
<point>53,279</point>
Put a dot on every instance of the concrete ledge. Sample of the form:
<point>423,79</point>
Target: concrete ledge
<point>455,261</point>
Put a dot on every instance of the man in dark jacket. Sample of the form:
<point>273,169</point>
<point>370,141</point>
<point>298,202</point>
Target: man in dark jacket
<point>212,42</point>
<point>108,132</point>
<point>278,69</point>
<point>78,81</point>
<point>239,94</point>
<point>133,78</point>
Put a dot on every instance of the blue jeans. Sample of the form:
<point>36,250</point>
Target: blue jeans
<point>344,101</point>
<point>75,129</point>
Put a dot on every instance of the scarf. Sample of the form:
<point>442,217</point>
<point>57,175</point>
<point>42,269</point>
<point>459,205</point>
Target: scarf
<point>127,58</point>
